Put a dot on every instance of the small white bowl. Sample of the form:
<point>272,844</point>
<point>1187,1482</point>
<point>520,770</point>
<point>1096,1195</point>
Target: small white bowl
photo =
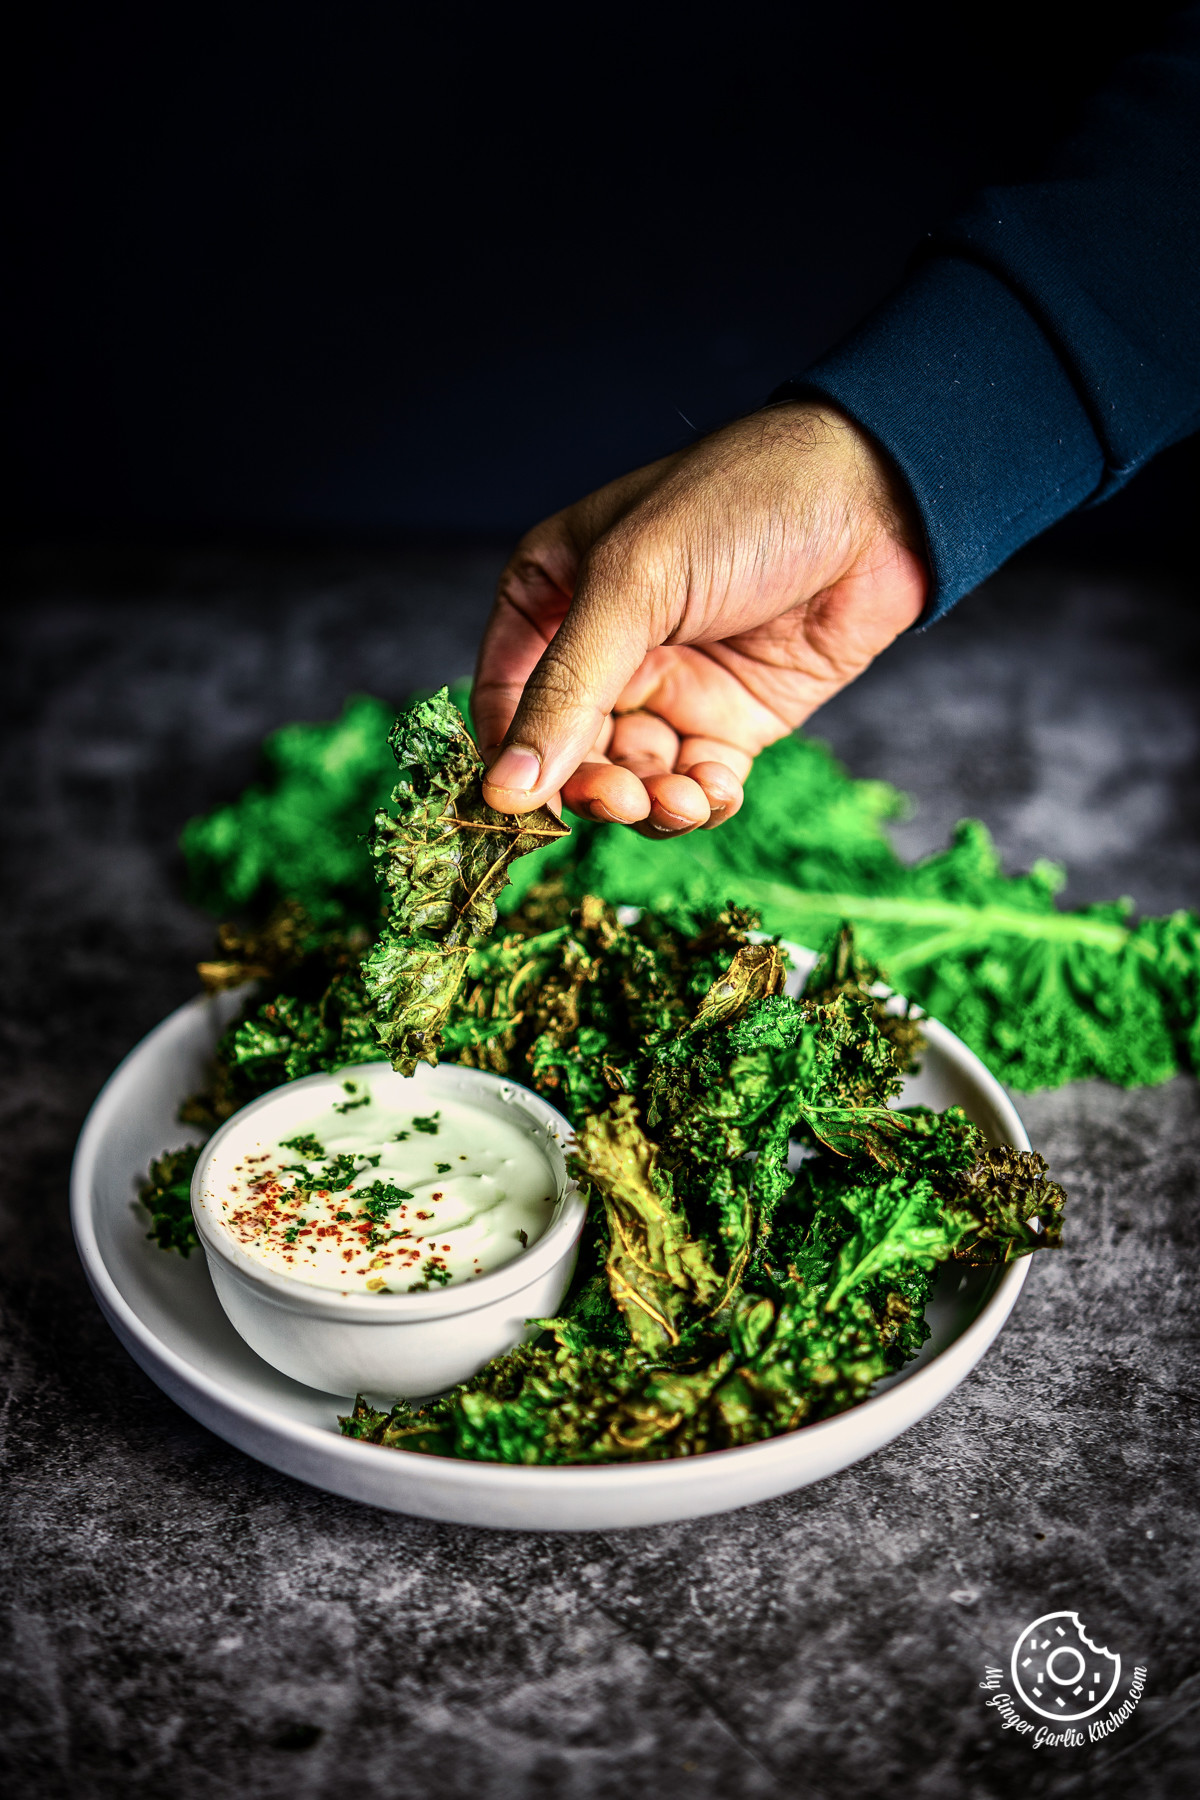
<point>387,1345</point>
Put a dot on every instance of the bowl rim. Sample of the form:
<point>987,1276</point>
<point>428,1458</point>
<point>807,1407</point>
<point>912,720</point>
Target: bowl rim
<point>457,1297</point>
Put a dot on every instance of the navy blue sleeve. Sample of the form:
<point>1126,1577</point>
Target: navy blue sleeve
<point>1047,343</point>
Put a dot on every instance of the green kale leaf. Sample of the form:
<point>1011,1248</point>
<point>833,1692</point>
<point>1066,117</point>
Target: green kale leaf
<point>655,1267</point>
<point>166,1193</point>
<point>1044,995</point>
<point>442,855</point>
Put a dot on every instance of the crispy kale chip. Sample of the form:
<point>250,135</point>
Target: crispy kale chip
<point>654,1264</point>
<point>307,1009</point>
<point>778,1367</point>
<point>166,1194</point>
<point>442,855</point>
<point>724,1293</point>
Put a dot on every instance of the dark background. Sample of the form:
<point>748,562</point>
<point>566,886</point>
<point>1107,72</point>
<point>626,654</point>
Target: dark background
<point>414,272</point>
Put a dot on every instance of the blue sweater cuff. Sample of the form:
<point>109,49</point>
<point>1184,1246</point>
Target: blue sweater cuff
<point>956,381</point>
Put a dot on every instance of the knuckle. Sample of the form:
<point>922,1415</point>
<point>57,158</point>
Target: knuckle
<point>522,575</point>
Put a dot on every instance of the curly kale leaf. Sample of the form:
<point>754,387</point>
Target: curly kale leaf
<point>899,1224</point>
<point>841,969</point>
<point>266,953</point>
<point>833,1062</point>
<point>288,1037</point>
<point>757,972</point>
<point>655,1267</point>
<point>166,1194</point>
<point>1002,1207</point>
<point>720,1298</point>
<point>1005,1205</point>
<point>1043,994</point>
<point>300,833</point>
<point>881,1236</point>
<point>779,1366</point>
<point>308,1010</point>
<point>442,855</point>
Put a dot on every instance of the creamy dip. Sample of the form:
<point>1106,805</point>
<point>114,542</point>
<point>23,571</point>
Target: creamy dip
<point>365,1194</point>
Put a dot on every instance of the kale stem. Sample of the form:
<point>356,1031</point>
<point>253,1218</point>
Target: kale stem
<point>961,923</point>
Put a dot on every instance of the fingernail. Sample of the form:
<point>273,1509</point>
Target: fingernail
<point>517,769</point>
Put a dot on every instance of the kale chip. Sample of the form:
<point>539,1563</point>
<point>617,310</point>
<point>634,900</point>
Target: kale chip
<point>442,855</point>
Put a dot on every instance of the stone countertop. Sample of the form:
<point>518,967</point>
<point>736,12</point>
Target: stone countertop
<point>185,1621</point>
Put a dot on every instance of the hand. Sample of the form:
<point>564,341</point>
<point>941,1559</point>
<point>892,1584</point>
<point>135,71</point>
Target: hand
<point>649,641</point>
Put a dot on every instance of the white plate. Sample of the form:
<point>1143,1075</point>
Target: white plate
<point>165,1312</point>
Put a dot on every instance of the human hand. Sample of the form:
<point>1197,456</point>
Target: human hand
<point>649,641</point>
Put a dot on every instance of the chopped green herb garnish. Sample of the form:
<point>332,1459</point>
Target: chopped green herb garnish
<point>303,1146</point>
<point>337,1172</point>
<point>429,1126</point>
<point>379,1199</point>
<point>433,1274</point>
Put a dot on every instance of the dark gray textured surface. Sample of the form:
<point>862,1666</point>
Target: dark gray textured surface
<point>186,1622</point>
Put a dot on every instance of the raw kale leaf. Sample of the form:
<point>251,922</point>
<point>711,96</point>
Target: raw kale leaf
<point>442,855</point>
<point>300,835</point>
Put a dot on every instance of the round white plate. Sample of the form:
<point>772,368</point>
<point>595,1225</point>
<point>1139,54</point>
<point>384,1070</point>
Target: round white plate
<point>164,1310</point>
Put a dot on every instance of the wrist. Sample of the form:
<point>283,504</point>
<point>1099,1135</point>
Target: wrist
<point>880,499</point>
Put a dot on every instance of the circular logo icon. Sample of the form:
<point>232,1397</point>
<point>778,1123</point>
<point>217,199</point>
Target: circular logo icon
<point>1059,1672</point>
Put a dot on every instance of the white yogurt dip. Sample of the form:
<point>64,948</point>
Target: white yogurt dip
<point>363,1191</point>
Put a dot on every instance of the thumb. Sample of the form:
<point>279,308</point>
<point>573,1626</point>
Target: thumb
<point>604,638</point>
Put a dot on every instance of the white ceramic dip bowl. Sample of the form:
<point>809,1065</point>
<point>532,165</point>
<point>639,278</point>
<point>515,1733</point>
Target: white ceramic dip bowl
<point>388,1343</point>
